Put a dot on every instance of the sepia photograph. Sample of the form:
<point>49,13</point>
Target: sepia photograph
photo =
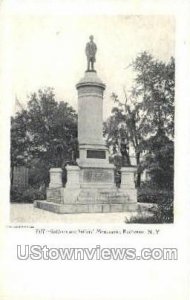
<point>92,124</point>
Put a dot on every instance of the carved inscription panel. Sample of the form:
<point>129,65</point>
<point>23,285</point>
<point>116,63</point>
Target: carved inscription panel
<point>97,154</point>
<point>98,175</point>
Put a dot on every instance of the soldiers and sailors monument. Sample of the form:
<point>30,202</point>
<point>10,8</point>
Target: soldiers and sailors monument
<point>90,186</point>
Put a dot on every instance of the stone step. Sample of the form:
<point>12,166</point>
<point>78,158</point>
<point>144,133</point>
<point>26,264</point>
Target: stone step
<point>85,208</point>
<point>55,200</point>
<point>102,197</point>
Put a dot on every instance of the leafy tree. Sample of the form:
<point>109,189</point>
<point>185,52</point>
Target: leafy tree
<point>147,115</point>
<point>159,160</point>
<point>155,90</point>
<point>126,121</point>
<point>19,141</point>
<point>44,135</point>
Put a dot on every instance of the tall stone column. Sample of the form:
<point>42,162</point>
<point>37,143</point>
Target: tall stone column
<point>95,170</point>
<point>90,120</point>
<point>90,109</point>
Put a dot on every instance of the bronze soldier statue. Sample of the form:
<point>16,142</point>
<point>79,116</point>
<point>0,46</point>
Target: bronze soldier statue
<point>91,49</point>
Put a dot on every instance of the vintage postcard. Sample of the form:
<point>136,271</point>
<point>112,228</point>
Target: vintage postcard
<point>94,149</point>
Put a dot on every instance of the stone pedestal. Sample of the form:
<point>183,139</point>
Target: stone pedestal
<point>53,193</point>
<point>55,178</point>
<point>72,189</point>
<point>73,177</point>
<point>128,182</point>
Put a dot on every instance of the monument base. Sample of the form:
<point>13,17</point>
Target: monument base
<point>85,208</point>
<point>87,199</point>
<point>91,190</point>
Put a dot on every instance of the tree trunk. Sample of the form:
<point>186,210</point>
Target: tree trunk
<point>138,181</point>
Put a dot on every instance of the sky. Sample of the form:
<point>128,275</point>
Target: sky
<point>49,51</point>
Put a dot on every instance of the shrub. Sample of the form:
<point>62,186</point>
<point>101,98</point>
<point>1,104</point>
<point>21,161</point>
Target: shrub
<point>15,194</point>
<point>27,195</point>
<point>154,195</point>
<point>163,213</point>
<point>142,219</point>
